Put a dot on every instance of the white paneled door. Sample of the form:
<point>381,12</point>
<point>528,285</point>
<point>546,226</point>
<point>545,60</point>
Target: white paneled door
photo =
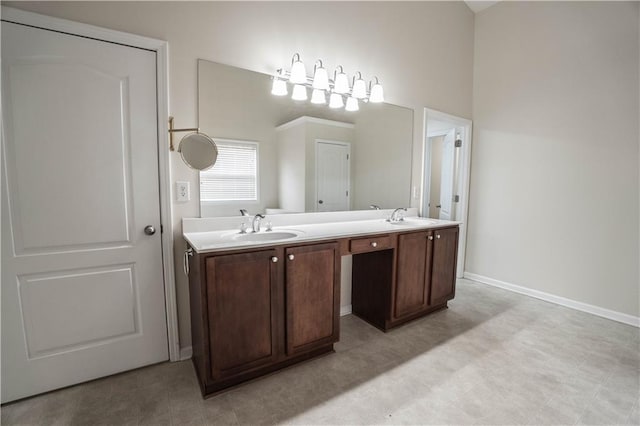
<point>82,277</point>
<point>332,176</point>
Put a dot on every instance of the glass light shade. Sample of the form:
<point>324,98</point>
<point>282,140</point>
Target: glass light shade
<point>279,87</point>
<point>352,104</point>
<point>299,93</point>
<point>298,73</point>
<point>341,85</point>
<point>359,89</point>
<point>377,93</point>
<point>335,101</point>
<point>321,79</point>
<point>318,97</point>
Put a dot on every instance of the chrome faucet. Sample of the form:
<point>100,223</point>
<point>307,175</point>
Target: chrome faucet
<point>395,216</point>
<point>374,207</point>
<point>243,212</point>
<point>256,222</point>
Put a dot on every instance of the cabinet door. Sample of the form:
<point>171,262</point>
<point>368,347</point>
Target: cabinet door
<point>312,280</point>
<point>413,269</point>
<point>443,275</point>
<point>242,299</point>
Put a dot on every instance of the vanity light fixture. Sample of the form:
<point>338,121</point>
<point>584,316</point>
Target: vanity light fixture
<point>279,87</point>
<point>335,101</point>
<point>338,89</point>
<point>298,73</point>
<point>341,81</point>
<point>320,77</point>
<point>318,97</point>
<point>359,90</point>
<point>376,92</point>
<point>299,93</point>
<point>352,104</point>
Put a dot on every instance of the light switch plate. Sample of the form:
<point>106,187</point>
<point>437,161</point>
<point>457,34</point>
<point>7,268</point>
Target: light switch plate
<point>183,191</point>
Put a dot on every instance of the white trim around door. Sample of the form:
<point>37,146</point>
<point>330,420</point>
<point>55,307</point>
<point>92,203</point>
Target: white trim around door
<point>161,48</point>
<point>462,182</point>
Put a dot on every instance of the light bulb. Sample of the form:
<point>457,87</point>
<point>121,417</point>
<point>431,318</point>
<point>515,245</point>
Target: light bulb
<point>341,83</point>
<point>298,73</point>
<point>352,104</point>
<point>299,93</point>
<point>279,87</point>
<point>335,101</point>
<point>377,93</point>
<point>321,78</point>
<point>359,88</point>
<point>318,97</point>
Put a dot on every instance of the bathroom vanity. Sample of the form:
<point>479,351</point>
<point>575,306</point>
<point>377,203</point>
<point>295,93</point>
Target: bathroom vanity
<point>260,302</point>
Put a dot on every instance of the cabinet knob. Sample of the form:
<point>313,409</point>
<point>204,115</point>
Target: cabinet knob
<point>430,237</point>
<point>291,257</point>
<point>438,236</point>
<point>374,244</point>
<point>274,259</point>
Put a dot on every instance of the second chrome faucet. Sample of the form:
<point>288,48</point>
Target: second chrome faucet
<point>396,215</point>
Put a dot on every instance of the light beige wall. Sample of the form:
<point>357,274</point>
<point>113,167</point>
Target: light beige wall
<point>383,179</point>
<point>554,181</point>
<point>291,168</point>
<point>397,41</point>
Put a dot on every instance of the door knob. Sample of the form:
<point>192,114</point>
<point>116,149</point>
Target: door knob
<point>439,206</point>
<point>374,244</point>
<point>274,259</point>
<point>291,257</point>
<point>430,237</point>
<point>320,201</point>
<point>438,236</point>
<point>149,230</point>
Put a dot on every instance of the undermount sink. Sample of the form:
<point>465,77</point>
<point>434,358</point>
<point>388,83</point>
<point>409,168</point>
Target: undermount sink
<point>265,236</point>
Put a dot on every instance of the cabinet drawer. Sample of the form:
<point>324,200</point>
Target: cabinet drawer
<point>363,245</point>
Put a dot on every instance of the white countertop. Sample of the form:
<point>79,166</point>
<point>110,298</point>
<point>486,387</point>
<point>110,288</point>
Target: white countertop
<point>217,240</point>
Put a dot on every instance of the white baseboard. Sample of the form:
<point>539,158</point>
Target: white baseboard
<point>569,303</point>
<point>186,353</point>
<point>345,310</point>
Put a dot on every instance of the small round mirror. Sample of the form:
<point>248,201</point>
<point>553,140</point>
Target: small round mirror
<point>198,151</point>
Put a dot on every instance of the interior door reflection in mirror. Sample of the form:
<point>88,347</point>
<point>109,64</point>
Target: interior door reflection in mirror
<point>309,157</point>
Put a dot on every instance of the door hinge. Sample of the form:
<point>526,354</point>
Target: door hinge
<point>161,229</point>
<point>456,198</point>
<point>458,143</point>
<point>347,156</point>
<point>346,193</point>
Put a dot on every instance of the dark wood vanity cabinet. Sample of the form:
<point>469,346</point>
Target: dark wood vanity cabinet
<point>312,289</point>
<point>443,266</point>
<point>411,290</point>
<point>256,311</point>
<point>417,277</point>
<point>426,271</point>
<point>242,301</point>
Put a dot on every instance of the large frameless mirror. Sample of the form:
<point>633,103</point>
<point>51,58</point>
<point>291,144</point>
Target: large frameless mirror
<point>277,155</point>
